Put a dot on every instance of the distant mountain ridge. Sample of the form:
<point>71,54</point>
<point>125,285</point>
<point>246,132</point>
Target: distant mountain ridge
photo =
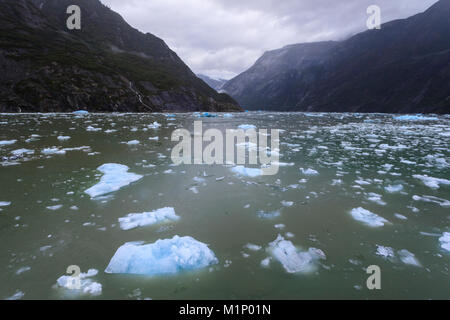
<point>105,66</point>
<point>216,84</point>
<point>402,68</point>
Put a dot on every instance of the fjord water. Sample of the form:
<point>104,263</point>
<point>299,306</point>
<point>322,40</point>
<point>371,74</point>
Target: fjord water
<point>48,222</point>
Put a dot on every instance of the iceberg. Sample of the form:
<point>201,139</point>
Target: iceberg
<point>167,256</point>
<point>408,258</point>
<point>368,218</point>
<point>445,241</point>
<point>4,203</point>
<point>249,172</point>
<point>393,189</point>
<point>21,152</point>
<point>87,286</point>
<point>134,220</point>
<point>293,259</point>
<point>115,177</point>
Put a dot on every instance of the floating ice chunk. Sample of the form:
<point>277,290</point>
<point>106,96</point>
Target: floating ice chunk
<point>408,258</point>
<point>433,183</point>
<point>21,152</point>
<point>252,247</point>
<point>368,218</point>
<point>445,241</point>
<point>287,203</point>
<point>415,118</point>
<point>228,115</point>
<point>22,270</point>
<point>401,217</point>
<point>393,189</point>
<point>154,125</point>
<point>249,172</point>
<point>266,262</point>
<point>92,129</point>
<point>133,142</point>
<point>87,286</point>
<point>63,138</point>
<point>134,220</point>
<point>7,142</point>
<point>16,296</point>
<point>374,197</point>
<point>53,150</point>
<point>280,226</point>
<point>269,215</point>
<point>293,259</point>
<point>247,126</point>
<point>56,207</point>
<point>309,172</point>
<point>115,177</point>
<point>167,256</point>
<point>386,252</point>
<point>154,138</point>
<point>80,112</point>
<point>442,202</point>
<point>4,203</point>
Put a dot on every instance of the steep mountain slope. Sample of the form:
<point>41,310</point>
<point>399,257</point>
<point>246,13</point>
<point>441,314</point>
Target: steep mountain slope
<point>216,84</point>
<point>105,66</point>
<point>402,68</point>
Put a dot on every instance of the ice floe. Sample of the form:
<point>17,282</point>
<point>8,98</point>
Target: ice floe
<point>134,220</point>
<point>248,172</point>
<point>86,285</point>
<point>309,172</point>
<point>433,183</point>
<point>4,203</point>
<point>442,202</point>
<point>415,118</point>
<point>368,218</point>
<point>394,188</point>
<point>115,176</point>
<point>445,241</point>
<point>293,259</point>
<point>403,255</point>
<point>167,256</point>
<point>7,142</point>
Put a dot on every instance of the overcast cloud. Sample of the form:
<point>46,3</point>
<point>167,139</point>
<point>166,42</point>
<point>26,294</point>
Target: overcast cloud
<point>221,38</point>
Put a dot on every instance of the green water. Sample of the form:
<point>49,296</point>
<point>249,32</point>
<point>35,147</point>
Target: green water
<point>224,214</point>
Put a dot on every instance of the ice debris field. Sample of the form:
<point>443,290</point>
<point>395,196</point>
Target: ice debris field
<point>100,191</point>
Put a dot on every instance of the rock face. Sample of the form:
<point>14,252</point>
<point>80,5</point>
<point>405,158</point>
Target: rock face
<point>105,66</point>
<point>402,68</point>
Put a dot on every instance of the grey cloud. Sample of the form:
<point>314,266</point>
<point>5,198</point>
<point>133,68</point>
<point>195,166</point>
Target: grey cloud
<point>222,38</point>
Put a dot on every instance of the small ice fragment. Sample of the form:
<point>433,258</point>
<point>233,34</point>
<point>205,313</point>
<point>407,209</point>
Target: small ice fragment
<point>368,218</point>
<point>134,220</point>
<point>401,217</point>
<point>63,138</point>
<point>386,252</point>
<point>86,285</point>
<point>4,203</point>
<point>56,207</point>
<point>287,203</point>
<point>7,142</point>
<point>22,270</point>
<point>292,259</point>
<point>133,142</point>
<point>247,126</point>
<point>80,112</point>
<point>309,172</point>
<point>408,258</point>
<point>249,172</point>
<point>16,296</point>
<point>167,256</point>
<point>52,150</point>
<point>266,262</point>
<point>433,183</point>
<point>252,247</point>
<point>393,189</point>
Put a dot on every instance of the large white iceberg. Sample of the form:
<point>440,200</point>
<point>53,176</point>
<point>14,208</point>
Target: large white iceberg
<point>293,259</point>
<point>167,256</point>
<point>134,220</point>
<point>368,218</point>
<point>115,177</point>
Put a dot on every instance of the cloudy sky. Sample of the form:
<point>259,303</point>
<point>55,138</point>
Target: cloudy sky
<point>221,38</point>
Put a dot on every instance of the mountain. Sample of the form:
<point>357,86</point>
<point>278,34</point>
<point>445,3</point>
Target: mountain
<point>105,66</point>
<point>216,84</point>
<point>402,68</point>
